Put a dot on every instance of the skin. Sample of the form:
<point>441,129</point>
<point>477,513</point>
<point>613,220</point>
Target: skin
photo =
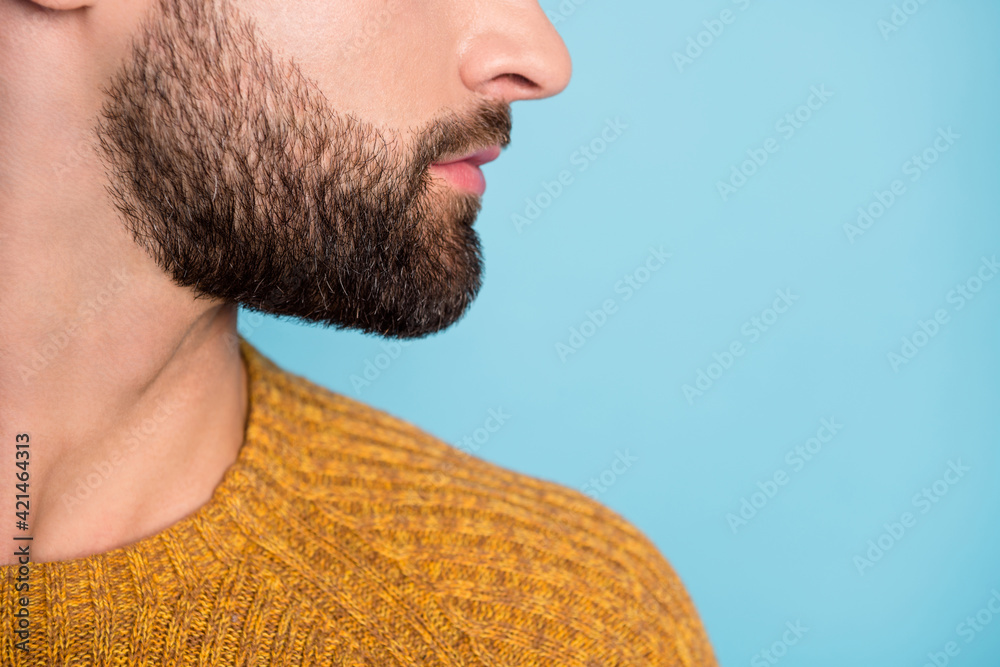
<point>138,370</point>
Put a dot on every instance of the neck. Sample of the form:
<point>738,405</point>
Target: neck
<point>132,393</point>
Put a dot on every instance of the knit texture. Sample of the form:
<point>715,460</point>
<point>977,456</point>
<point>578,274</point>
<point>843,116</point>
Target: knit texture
<point>342,536</point>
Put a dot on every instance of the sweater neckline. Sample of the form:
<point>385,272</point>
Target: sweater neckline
<point>210,533</point>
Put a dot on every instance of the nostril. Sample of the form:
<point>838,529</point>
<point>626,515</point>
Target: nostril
<point>525,87</point>
<point>515,56</point>
<point>522,81</point>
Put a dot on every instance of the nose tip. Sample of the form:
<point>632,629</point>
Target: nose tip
<point>520,57</point>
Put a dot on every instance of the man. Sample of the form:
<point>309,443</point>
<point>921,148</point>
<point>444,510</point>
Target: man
<point>183,501</point>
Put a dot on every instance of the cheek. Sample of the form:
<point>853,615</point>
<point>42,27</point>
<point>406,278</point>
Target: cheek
<point>390,62</point>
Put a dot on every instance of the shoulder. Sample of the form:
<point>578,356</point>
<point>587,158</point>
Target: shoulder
<point>509,558</point>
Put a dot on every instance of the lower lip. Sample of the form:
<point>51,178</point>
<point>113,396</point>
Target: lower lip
<point>463,175</point>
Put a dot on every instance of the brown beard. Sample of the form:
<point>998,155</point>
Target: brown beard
<point>234,173</point>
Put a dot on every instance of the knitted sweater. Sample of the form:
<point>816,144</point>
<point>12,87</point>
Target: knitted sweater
<point>342,536</point>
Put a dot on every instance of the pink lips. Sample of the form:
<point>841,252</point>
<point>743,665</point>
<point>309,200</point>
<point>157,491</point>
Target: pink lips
<point>465,173</point>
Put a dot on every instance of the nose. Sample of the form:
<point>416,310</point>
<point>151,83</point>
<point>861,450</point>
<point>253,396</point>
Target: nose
<point>514,53</point>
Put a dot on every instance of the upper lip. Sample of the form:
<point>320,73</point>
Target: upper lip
<point>477,158</point>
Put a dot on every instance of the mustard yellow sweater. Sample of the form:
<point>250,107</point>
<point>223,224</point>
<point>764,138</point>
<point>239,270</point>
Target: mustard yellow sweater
<point>342,536</point>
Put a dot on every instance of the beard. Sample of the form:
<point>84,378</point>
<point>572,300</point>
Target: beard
<point>230,168</point>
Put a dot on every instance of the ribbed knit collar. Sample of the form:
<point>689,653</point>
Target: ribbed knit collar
<point>212,535</point>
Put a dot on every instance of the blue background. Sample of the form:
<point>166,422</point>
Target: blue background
<point>827,357</point>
